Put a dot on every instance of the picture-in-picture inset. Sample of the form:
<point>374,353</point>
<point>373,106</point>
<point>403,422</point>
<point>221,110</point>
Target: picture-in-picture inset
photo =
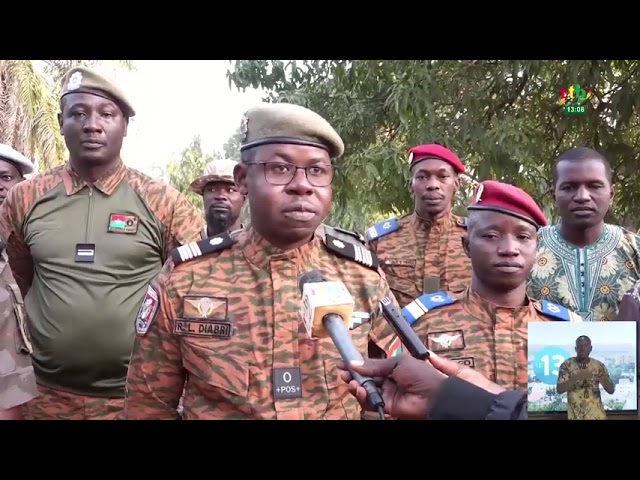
<point>583,370</point>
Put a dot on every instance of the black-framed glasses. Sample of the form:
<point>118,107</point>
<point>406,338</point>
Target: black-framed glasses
<point>278,173</point>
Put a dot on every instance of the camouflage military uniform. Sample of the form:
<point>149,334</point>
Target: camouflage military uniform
<point>419,256</point>
<point>492,339</point>
<point>17,380</point>
<point>226,320</point>
<point>82,255</point>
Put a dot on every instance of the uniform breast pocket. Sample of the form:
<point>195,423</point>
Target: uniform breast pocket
<point>218,377</point>
<point>401,275</point>
<point>22,338</point>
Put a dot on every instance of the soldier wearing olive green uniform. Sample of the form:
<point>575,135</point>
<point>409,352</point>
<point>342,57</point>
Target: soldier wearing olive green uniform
<point>84,239</point>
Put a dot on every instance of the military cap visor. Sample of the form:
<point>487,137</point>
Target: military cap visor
<point>22,163</point>
<point>86,80</point>
<point>216,171</point>
<point>286,123</point>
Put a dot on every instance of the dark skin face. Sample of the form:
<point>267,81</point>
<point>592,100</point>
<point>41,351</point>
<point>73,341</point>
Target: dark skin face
<point>433,183</point>
<point>583,349</point>
<point>9,176</point>
<point>582,195</point>
<point>93,128</point>
<point>285,215</point>
<point>502,249</point>
<point>222,205</point>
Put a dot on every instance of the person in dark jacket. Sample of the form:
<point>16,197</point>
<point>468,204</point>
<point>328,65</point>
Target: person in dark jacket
<point>437,389</point>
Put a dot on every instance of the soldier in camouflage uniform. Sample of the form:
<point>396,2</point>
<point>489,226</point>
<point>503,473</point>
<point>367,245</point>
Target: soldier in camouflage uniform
<point>13,167</point>
<point>17,380</point>
<point>84,239</point>
<point>222,201</point>
<point>485,326</point>
<point>227,317</point>
<point>422,252</point>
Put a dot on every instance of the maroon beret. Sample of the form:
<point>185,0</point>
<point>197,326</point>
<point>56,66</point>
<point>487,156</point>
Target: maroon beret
<point>424,152</point>
<point>505,198</point>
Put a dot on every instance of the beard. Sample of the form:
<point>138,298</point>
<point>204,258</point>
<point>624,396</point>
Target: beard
<point>217,223</point>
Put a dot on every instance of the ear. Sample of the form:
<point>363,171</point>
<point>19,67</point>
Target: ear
<point>60,122</point>
<point>240,172</point>
<point>613,195</point>
<point>126,127</point>
<point>456,183</point>
<point>465,245</point>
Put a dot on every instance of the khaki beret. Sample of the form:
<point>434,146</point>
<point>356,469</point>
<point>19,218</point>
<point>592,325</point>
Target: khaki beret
<point>22,163</point>
<point>87,80</point>
<point>216,171</point>
<point>271,123</point>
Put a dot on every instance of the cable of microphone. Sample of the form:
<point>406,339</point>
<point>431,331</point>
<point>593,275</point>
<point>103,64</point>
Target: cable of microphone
<point>326,311</point>
<point>403,330</point>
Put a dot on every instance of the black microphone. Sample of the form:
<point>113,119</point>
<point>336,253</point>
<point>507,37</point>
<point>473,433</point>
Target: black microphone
<point>403,330</point>
<point>327,309</point>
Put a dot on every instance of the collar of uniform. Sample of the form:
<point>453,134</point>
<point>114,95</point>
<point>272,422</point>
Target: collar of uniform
<point>260,252</point>
<point>420,223</point>
<point>106,184</point>
<point>474,299</point>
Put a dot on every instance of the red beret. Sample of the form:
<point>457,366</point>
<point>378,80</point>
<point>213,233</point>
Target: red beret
<point>505,198</point>
<point>423,152</point>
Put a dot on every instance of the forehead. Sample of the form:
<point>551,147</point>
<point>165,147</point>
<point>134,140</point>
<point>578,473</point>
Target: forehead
<point>8,167</point>
<point>490,220</point>
<point>218,183</point>
<point>583,342</point>
<point>582,171</point>
<point>295,154</point>
<point>432,165</point>
<point>87,100</point>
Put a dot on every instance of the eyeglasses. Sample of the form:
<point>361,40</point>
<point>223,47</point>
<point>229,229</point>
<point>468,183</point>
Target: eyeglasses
<point>278,173</point>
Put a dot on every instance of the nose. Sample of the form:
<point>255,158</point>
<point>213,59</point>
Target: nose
<point>299,184</point>
<point>432,183</point>
<point>582,195</point>
<point>92,123</point>
<point>508,247</point>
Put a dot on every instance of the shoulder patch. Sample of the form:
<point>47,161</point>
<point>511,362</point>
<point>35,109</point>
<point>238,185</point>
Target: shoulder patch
<point>355,235</point>
<point>383,228</point>
<point>462,222</point>
<point>556,312</point>
<point>192,250</point>
<point>148,311</point>
<point>425,303</point>
<point>351,251</point>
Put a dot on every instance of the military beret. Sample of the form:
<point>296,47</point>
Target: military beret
<point>425,152</point>
<point>508,199</point>
<point>22,163</point>
<point>216,171</point>
<point>87,80</point>
<point>272,123</point>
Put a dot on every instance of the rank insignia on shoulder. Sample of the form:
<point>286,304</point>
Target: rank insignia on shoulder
<point>148,311</point>
<point>462,222</point>
<point>557,312</point>
<point>383,228</point>
<point>355,235</point>
<point>192,250</point>
<point>351,251</point>
<point>425,303</point>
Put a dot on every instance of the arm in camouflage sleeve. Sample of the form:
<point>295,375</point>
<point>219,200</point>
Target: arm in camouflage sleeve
<point>11,218</point>
<point>155,379</point>
<point>185,225</point>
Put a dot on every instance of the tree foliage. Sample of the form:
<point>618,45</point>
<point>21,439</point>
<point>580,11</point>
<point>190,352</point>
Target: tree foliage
<point>503,118</point>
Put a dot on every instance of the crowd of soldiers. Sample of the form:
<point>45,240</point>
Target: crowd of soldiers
<point>137,306</point>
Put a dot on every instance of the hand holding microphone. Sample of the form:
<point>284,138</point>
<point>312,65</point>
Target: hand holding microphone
<point>327,309</point>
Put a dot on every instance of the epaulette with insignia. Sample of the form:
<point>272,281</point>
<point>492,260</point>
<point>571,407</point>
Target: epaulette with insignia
<point>351,251</point>
<point>557,312</point>
<point>462,222</point>
<point>425,303</point>
<point>192,250</point>
<point>355,235</point>
<point>383,228</point>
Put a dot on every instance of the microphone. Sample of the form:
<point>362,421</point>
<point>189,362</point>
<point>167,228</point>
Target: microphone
<point>326,311</point>
<point>403,330</point>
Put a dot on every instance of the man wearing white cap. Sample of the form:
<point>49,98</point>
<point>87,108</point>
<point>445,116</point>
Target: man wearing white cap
<point>222,200</point>
<point>13,167</point>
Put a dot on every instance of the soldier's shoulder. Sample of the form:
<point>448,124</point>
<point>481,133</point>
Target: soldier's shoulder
<point>556,312</point>
<point>350,250</point>
<point>199,249</point>
<point>385,227</point>
<point>426,303</point>
<point>342,234</point>
<point>149,185</point>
